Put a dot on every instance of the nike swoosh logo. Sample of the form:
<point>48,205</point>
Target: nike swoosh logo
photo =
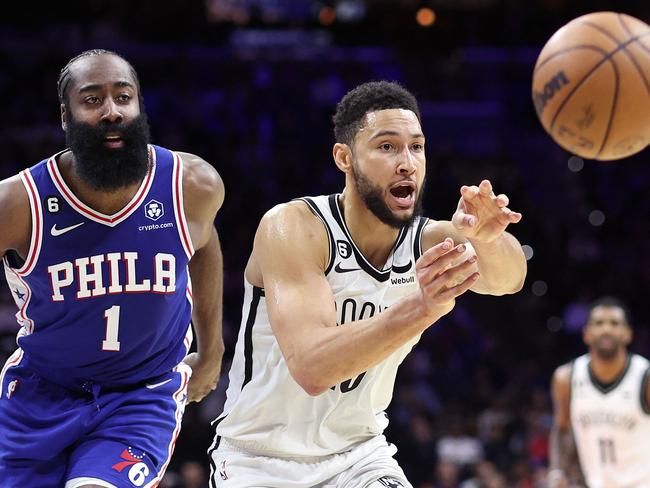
<point>151,386</point>
<point>338,269</point>
<point>403,269</point>
<point>57,232</point>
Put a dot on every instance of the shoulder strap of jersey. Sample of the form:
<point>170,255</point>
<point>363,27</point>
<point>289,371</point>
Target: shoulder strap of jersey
<point>313,206</point>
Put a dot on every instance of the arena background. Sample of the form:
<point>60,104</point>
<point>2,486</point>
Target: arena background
<point>251,85</point>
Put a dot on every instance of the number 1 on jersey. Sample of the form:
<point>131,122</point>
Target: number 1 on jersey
<point>112,316</point>
<point>607,452</point>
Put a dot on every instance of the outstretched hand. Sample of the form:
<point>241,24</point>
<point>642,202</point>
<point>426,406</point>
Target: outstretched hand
<point>205,375</point>
<point>481,215</point>
<point>445,271</point>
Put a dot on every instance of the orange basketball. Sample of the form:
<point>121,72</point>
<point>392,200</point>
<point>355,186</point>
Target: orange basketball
<point>591,86</point>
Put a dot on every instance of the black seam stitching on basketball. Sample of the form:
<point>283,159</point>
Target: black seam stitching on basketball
<point>612,111</point>
<point>575,88</point>
<point>631,56</point>
<point>623,46</point>
<point>607,57</point>
<point>572,48</point>
<point>603,31</point>
<point>641,45</point>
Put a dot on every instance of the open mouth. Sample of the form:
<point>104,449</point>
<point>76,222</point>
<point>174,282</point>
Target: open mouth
<point>113,140</point>
<point>404,193</point>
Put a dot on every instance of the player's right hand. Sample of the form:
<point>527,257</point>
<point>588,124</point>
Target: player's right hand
<point>444,273</point>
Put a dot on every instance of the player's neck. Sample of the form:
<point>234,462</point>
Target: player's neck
<point>106,202</point>
<point>607,370</point>
<point>374,239</point>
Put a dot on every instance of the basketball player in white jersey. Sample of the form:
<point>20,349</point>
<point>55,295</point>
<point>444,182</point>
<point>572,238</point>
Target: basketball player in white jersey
<point>602,407</point>
<point>338,289</point>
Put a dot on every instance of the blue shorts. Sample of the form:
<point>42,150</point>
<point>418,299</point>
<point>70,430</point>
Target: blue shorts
<point>51,436</point>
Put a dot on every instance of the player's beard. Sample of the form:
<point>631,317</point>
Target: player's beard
<point>372,196</point>
<point>105,168</point>
<point>607,353</point>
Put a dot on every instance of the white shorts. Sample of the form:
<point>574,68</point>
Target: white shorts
<point>367,465</point>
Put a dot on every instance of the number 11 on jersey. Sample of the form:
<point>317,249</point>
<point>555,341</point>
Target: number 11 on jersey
<point>112,316</point>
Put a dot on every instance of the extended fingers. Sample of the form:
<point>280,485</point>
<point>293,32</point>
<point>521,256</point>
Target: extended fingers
<point>461,220</point>
<point>449,290</point>
<point>513,217</point>
<point>485,188</point>
<point>471,192</point>
<point>443,269</point>
<point>502,200</point>
<point>433,253</point>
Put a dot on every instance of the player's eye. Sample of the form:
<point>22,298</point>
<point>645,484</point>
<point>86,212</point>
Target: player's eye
<point>92,99</point>
<point>386,146</point>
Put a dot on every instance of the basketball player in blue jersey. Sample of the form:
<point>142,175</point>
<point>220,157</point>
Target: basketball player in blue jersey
<point>99,242</point>
<point>338,289</point>
<point>601,403</point>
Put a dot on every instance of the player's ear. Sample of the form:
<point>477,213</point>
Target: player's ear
<point>629,335</point>
<point>342,157</point>
<point>63,117</point>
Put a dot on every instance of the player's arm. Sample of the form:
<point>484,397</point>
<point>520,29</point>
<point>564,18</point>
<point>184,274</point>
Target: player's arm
<point>562,451</point>
<point>481,218</point>
<point>645,386</point>
<point>203,192</point>
<point>291,252</point>
<point>501,262</point>
<point>15,217</point>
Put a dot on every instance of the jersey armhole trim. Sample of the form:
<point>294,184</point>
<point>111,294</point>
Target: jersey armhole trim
<point>572,364</point>
<point>330,238</point>
<point>36,239</point>
<point>179,207</point>
<point>417,241</point>
<point>644,388</point>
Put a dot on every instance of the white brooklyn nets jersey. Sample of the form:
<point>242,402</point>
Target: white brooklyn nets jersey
<point>266,411</point>
<point>611,425</point>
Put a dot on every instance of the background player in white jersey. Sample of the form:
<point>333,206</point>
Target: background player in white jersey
<point>602,408</point>
<point>338,290</point>
<point>96,243</point>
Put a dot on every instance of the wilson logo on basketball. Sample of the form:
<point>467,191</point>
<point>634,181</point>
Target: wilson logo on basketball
<point>540,99</point>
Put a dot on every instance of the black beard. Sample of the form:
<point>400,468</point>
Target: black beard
<point>606,354</point>
<point>372,197</point>
<point>104,168</point>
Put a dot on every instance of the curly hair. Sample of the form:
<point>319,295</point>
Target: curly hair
<point>368,97</point>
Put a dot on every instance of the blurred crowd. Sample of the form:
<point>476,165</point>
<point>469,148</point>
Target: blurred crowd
<point>471,407</point>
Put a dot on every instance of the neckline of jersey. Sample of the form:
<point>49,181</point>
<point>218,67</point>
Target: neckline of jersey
<point>92,214</point>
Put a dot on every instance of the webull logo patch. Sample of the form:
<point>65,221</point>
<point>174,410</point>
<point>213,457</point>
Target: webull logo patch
<point>401,281</point>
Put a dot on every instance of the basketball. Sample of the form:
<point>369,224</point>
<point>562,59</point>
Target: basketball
<point>591,86</point>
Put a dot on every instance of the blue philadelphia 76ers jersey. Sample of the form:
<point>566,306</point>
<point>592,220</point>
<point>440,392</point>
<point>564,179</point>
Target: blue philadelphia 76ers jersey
<point>105,298</point>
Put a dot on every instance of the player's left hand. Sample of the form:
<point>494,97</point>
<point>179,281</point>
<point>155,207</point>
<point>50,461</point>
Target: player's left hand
<point>481,215</point>
<point>205,375</point>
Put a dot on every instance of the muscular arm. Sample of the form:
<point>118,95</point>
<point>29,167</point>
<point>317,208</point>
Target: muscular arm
<point>291,253</point>
<point>203,195</point>
<point>15,217</point>
<point>646,388</point>
<point>562,450</point>
<point>501,262</point>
